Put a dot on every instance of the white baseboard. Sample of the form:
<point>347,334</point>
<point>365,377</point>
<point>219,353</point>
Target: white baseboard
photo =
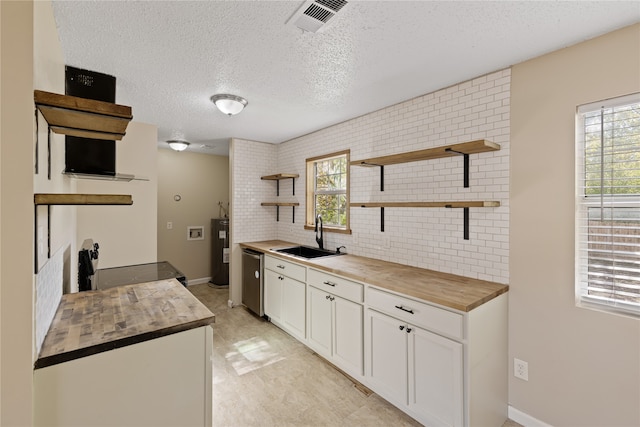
<point>525,419</point>
<point>198,281</point>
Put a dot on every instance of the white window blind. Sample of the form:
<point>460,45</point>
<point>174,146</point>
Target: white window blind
<point>608,204</point>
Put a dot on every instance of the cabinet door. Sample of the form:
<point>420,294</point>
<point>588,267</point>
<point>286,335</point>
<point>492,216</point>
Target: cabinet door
<point>273,295</point>
<point>320,321</point>
<point>294,307</point>
<point>388,369</point>
<point>435,378</point>
<point>348,335</point>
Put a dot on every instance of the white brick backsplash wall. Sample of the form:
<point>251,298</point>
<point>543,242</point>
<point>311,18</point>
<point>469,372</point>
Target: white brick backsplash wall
<point>425,237</point>
<point>250,220</point>
<point>48,295</point>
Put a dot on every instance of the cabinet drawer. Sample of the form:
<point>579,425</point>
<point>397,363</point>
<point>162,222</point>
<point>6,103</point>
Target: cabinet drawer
<point>286,268</point>
<point>336,285</point>
<point>417,313</point>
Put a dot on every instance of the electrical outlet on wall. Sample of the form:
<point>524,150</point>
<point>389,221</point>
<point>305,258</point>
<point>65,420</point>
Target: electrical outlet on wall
<point>520,369</point>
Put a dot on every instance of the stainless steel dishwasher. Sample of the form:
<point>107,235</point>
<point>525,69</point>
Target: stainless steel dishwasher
<point>252,284</point>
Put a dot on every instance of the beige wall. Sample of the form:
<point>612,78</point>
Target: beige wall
<point>584,366</point>
<point>60,270</point>
<point>16,212</point>
<point>126,234</point>
<point>202,181</point>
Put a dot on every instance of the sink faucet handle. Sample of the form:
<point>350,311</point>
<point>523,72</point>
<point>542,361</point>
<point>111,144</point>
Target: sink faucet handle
<point>340,247</point>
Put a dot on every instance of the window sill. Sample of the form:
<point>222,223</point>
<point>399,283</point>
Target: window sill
<point>596,304</point>
<point>329,229</point>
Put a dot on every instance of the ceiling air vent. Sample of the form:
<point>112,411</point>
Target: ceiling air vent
<point>312,16</point>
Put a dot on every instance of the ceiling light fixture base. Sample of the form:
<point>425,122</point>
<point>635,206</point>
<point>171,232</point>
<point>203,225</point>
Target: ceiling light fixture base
<point>229,104</point>
<point>178,145</point>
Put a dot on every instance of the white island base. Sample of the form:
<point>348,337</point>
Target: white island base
<point>165,381</point>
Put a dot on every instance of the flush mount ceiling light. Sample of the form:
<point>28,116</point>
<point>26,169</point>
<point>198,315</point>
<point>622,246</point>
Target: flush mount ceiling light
<point>178,145</point>
<point>229,104</point>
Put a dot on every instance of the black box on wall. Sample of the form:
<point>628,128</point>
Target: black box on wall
<point>87,155</point>
<point>89,84</point>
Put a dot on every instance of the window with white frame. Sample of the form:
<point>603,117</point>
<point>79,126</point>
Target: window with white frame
<point>328,191</point>
<point>608,205</point>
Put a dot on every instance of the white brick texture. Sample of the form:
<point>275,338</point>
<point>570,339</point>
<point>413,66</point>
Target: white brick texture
<point>425,237</point>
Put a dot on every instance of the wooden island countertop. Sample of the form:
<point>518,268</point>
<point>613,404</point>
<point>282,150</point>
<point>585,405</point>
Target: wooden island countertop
<point>449,290</point>
<point>91,322</point>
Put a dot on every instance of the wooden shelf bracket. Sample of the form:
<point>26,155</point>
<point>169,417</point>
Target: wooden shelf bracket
<point>367,164</point>
<point>278,204</point>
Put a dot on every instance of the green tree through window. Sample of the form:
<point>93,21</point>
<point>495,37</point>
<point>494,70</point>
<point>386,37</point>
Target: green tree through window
<point>328,190</point>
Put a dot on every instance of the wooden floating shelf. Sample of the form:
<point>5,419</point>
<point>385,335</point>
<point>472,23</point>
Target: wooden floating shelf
<point>81,117</point>
<point>49,199</point>
<point>471,147</point>
<point>280,176</point>
<point>82,199</point>
<point>279,204</point>
<point>462,204</point>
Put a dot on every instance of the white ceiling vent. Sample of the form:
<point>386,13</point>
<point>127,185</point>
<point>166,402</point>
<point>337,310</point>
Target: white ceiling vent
<point>313,16</point>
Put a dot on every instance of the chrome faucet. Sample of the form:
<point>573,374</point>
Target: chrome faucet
<point>319,239</point>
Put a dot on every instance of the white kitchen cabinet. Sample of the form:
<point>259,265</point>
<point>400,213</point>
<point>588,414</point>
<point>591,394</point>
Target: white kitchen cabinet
<point>388,350</point>
<point>435,377</point>
<point>294,313</point>
<point>273,295</point>
<point>442,367</point>
<point>335,322</point>
<point>320,321</point>
<point>285,295</point>
<point>413,367</point>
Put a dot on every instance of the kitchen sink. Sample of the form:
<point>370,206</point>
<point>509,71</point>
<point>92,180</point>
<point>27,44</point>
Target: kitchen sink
<point>307,252</point>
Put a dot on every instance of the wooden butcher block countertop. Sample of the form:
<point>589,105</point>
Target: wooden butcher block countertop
<point>91,322</point>
<point>457,292</point>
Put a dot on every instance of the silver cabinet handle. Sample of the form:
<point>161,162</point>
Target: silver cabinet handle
<point>280,266</point>
<point>326,282</point>
<point>408,310</point>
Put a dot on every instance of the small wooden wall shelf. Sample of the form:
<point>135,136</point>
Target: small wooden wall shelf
<point>465,205</point>
<point>471,147</point>
<point>49,199</point>
<point>82,199</point>
<point>461,149</point>
<point>462,204</point>
<point>278,204</point>
<point>277,177</point>
<point>81,117</point>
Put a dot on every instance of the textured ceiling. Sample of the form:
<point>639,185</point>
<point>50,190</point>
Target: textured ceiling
<point>169,57</point>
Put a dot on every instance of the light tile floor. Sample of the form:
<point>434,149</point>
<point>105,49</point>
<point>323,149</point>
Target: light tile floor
<point>264,377</point>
